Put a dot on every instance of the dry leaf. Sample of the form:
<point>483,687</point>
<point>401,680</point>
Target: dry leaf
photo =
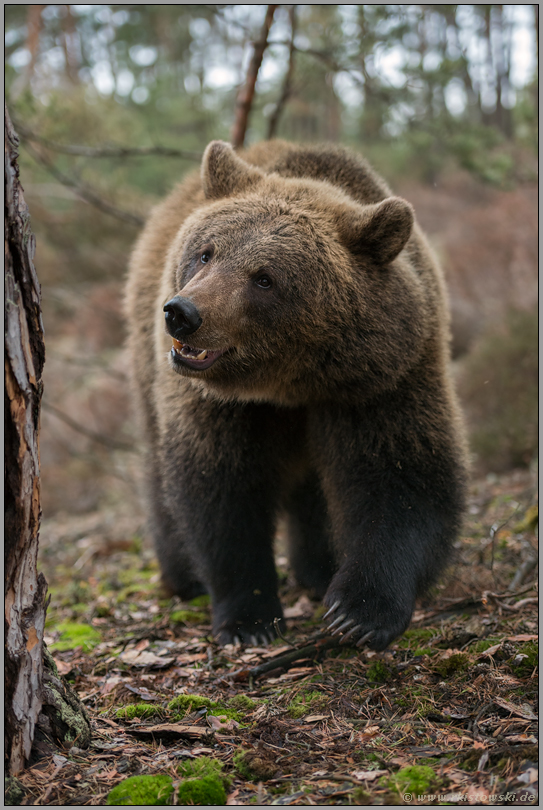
<point>314,718</point>
<point>63,666</point>
<point>135,658</point>
<point>221,723</point>
<point>367,776</point>
<point>367,734</point>
<point>303,609</point>
<point>491,650</point>
<point>231,800</point>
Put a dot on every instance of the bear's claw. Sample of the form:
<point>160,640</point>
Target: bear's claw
<point>332,609</point>
<point>243,635</point>
<point>364,639</point>
<point>342,627</point>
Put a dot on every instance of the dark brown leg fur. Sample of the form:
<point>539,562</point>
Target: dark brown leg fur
<point>310,549</point>
<point>222,476</point>
<point>395,493</point>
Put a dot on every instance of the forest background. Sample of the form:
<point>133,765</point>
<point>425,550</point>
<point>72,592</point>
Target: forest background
<point>115,103</point>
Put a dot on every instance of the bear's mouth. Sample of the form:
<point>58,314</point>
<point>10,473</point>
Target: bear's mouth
<point>191,357</point>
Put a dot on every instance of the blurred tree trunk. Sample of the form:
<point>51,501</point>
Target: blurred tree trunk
<point>69,44</point>
<point>34,695</point>
<point>246,94</point>
<point>24,357</point>
<point>32,44</point>
<point>286,89</point>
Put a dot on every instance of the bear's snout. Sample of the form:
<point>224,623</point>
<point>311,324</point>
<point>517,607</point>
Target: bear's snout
<point>182,317</point>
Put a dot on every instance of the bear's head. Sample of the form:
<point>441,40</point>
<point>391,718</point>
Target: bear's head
<point>288,291</point>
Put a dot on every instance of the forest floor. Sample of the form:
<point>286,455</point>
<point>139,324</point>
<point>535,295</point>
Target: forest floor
<point>446,715</point>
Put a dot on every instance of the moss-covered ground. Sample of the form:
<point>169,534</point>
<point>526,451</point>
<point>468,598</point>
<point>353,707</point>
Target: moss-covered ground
<point>446,715</point>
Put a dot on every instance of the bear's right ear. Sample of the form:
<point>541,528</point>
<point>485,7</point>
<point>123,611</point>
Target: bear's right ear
<point>224,173</point>
<point>380,230</point>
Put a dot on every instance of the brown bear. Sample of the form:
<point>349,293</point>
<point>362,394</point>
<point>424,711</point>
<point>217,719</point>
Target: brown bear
<point>289,348</point>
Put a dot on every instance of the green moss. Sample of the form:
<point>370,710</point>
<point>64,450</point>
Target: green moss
<point>253,766</point>
<point>241,703</point>
<point>204,600</point>
<point>13,791</point>
<point>529,522</point>
<point>204,783</point>
<point>424,651</point>
<point>184,704</point>
<point>188,617</point>
<point>424,708</point>
<point>415,637</point>
<point>142,791</point>
<point>74,635</point>
<point>203,766</point>
<point>524,667</point>
<point>360,797</point>
<point>208,791</point>
<point>484,644</point>
<point>378,672</point>
<point>414,779</point>
<point>133,710</point>
<point>306,703</point>
<point>457,662</point>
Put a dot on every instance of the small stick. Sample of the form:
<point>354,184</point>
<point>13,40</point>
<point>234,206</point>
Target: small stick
<point>287,659</point>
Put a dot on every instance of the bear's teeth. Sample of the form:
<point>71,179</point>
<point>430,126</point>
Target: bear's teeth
<point>178,346</point>
<point>202,355</point>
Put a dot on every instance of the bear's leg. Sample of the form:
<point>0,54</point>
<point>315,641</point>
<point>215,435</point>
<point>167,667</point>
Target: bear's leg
<point>394,486</point>
<point>221,464</point>
<point>178,576</point>
<point>309,536</point>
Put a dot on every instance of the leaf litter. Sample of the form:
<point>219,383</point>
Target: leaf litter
<point>448,713</point>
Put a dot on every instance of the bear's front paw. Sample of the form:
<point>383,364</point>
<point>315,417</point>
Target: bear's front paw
<point>367,616</point>
<point>246,623</point>
<point>256,633</point>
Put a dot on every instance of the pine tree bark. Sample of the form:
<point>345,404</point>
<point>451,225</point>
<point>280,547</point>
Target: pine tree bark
<point>25,590</point>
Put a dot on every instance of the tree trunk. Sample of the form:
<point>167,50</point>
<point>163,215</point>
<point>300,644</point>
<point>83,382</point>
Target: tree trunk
<point>34,694</point>
<point>25,590</point>
<point>34,24</point>
<point>245,97</point>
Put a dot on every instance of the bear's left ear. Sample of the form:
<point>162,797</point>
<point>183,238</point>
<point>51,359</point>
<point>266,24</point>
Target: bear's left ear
<point>381,230</point>
<point>224,173</point>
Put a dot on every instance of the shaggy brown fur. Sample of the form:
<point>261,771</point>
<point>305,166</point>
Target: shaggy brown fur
<point>308,374</point>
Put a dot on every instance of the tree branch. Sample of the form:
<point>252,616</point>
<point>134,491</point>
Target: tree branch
<point>107,151</point>
<point>246,94</point>
<point>112,444</point>
<point>285,660</point>
<point>84,192</point>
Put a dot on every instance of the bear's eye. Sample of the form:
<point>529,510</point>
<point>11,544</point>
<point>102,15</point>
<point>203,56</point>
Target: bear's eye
<point>205,257</point>
<point>264,282</point>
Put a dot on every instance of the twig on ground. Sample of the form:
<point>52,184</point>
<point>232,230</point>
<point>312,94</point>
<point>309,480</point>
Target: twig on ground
<point>285,660</point>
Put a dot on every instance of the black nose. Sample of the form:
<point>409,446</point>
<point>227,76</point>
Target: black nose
<point>182,317</point>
